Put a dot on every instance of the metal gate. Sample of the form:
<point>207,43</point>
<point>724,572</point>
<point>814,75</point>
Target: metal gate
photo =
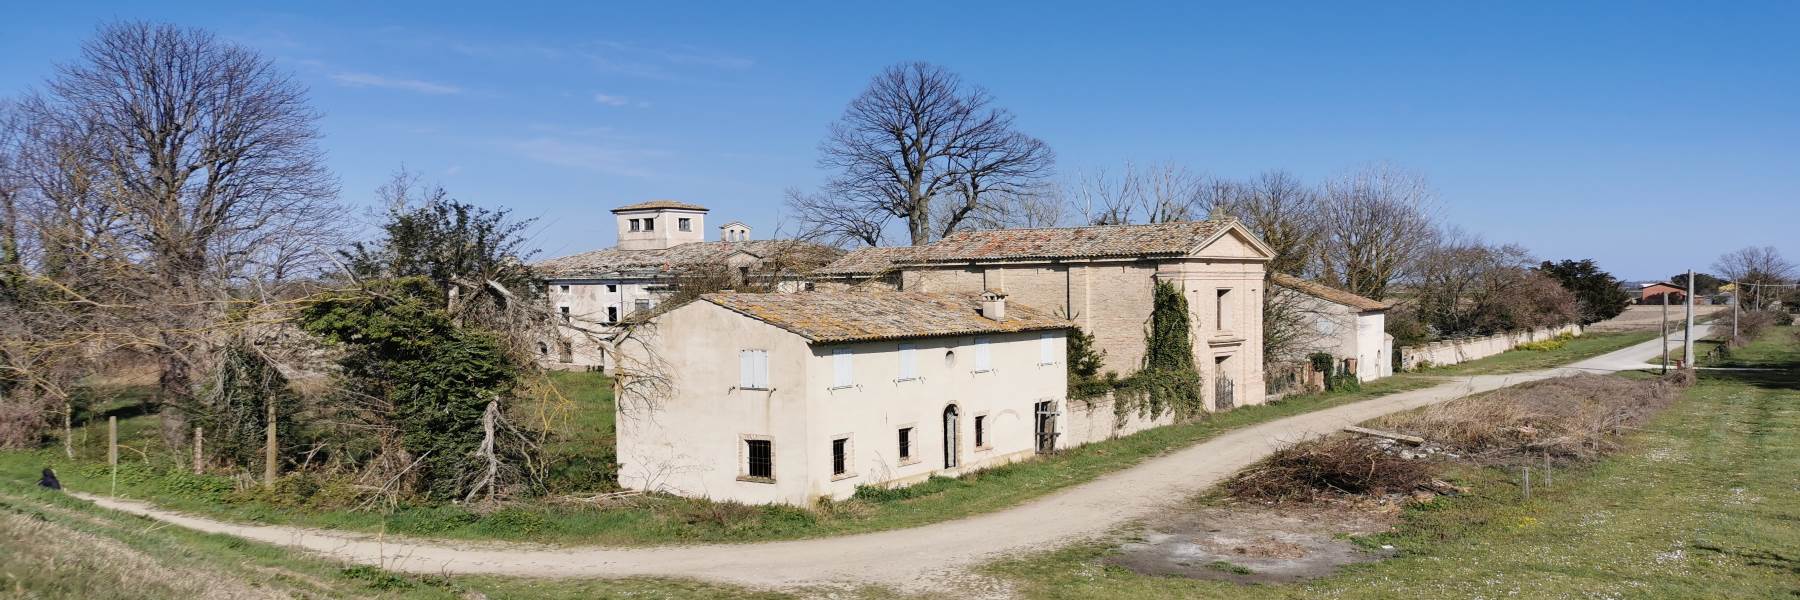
<point>1046,427</point>
<point>1224,394</point>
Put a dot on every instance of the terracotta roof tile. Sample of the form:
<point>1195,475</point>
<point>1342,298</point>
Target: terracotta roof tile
<point>869,261</point>
<point>830,317</point>
<point>1327,293</point>
<point>656,204</point>
<point>1101,241</point>
<point>611,262</point>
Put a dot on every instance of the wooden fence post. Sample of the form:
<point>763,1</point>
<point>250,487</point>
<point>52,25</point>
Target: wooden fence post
<point>1527,471</point>
<point>69,430</point>
<point>112,450</point>
<point>199,453</point>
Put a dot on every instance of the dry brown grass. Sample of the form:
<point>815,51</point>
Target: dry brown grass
<point>1568,418</point>
<point>1576,417</point>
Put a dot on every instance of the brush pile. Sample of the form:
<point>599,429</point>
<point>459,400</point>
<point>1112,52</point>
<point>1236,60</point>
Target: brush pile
<point>1567,419</point>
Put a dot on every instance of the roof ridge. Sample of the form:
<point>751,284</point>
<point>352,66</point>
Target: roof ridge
<point>1073,227</point>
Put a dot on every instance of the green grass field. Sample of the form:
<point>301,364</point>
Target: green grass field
<point>1702,504</point>
<point>583,451</point>
<point>1587,346</point>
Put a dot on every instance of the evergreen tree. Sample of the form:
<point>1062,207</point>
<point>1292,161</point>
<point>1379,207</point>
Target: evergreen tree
<point>1597,291</point>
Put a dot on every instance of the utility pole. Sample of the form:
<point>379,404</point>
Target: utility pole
<point>1665,333</point>
<point>1687,336</point>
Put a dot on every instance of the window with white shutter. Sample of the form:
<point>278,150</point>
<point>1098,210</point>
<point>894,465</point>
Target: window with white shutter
<point>909,363</point>
<point>1046,348</point>
<point>982,360</point>
<point>840,368</point>
<point>753,369</point>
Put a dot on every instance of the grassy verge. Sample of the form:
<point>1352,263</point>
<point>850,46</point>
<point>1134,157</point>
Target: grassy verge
<point>662,519</point>
<point>54,546</point>
<point>1701,505</point>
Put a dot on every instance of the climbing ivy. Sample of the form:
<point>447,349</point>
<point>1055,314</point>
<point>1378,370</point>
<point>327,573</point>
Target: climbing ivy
<point>1168,380</point>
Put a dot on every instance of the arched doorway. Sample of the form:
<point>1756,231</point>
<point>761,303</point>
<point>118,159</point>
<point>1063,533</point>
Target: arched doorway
<point>950,429</point>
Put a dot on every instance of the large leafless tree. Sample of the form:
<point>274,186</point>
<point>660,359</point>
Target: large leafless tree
<point>923,146</point>
<point>208,155</point>
<point>1375,223</point>
<point>1756,268</point>
<point>1280,209</point>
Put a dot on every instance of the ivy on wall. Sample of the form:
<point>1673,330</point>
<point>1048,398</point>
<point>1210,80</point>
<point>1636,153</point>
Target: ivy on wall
<point>1168,380</point>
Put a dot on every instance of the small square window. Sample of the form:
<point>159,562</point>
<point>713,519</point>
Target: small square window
<point>760,458</point>
<point>610,288</point>
<point>649,224</point>
<point>564,311</point>
<point>563,288</point>
<point>637,225</point>
<point>685,224</point>
<point>640,305</point>
<point>840,456</point>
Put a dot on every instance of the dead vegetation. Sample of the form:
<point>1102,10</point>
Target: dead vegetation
<point>1567,419</point>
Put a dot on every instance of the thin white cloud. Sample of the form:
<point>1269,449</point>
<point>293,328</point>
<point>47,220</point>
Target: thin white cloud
<point>616,160</point>
<point>356,79</point>
<point>611,100</point>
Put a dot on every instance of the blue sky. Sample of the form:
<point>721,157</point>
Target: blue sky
<point>1595,131</point>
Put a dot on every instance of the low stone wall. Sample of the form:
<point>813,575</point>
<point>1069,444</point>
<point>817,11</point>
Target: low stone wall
<point>1450,352</point>
<point>1092,420</point>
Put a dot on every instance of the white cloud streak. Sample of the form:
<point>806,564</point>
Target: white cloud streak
<point>355,79</point>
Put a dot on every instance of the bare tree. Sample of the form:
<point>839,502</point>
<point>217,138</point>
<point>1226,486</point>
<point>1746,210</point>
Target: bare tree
<point>1156,193</point>
<point>211,159</point>
<point>1281,210</point>
<point>824,217</point>
<point>923,146</point>
<point>1756,267</point>
<point>1375,222</point>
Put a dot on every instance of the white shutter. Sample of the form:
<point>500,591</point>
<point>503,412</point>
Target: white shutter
<point>762,369</point>
<point>908,361</point>
<point>746,369</point>
<point>753,369</point>
<point>981,355</point>
<point>840,367</point>
<point>1046,348</point>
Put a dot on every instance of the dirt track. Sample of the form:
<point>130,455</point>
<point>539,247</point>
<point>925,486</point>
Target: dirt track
<point>922,558</point>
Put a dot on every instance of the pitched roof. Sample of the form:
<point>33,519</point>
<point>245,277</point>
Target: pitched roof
<point>1327,293</point>
<point>830,317</point>
<point>799,256</point>
<point>869,261</point>
<point>1101,241</point>
<point>660,204</point>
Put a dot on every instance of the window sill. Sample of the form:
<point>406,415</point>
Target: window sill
<point>840,387</point>
<point>980,371</point>
<point>906,379</point>
<point>983,448</point>
<point>1047,364</point>
<point>907,462</point>
<point>842,477</point>
<point>749,479</point>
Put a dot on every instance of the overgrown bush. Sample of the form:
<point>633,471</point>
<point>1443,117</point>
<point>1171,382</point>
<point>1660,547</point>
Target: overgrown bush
<point>429,381</point>
<point>235,405</point>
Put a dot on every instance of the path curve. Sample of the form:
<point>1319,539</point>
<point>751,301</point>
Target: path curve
<point>917,558</point>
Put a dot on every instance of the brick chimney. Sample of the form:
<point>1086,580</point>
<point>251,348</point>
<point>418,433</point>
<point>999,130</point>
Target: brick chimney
<point>993,305</point>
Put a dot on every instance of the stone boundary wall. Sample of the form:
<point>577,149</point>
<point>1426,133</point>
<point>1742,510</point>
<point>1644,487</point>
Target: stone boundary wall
<point>1092,420</point>
<point>1450,352</point>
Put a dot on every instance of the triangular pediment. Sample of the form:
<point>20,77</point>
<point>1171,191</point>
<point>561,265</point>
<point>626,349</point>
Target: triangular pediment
<point>1234,241</point>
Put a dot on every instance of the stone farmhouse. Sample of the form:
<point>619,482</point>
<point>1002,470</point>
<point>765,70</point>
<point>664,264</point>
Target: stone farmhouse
<point>1102,278</point>
<point>787,398</point>
<point>660,243</point>
<point>1346,326</point>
